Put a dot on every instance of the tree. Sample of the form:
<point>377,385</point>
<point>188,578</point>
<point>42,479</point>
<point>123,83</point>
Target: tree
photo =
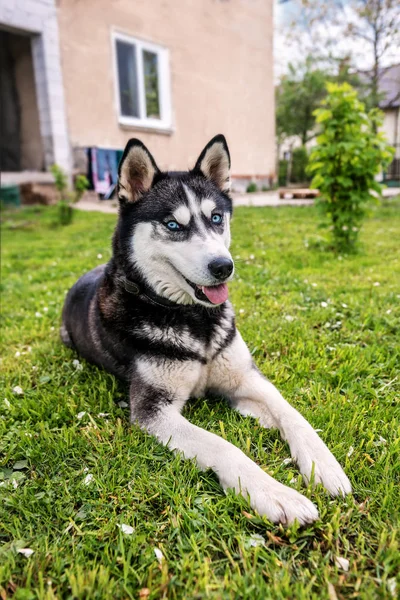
<point>298,95</point>
<point>377,23</point>
<point>354,31</point>
<point>349,154</point>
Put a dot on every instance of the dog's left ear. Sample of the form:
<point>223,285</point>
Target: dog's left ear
<point>215,163</point>
<point>136,171</point>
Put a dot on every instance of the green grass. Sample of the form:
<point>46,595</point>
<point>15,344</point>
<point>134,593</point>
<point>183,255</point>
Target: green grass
<point>337,363</point>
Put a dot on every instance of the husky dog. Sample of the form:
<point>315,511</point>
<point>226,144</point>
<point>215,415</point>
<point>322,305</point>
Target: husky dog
<point>158,316</point>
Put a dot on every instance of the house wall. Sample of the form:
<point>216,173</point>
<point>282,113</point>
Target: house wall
<point>221,76</point>
<point>391,127</point>
<point>38,20</point>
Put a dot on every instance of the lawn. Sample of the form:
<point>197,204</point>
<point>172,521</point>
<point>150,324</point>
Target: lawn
<point>109,513</point>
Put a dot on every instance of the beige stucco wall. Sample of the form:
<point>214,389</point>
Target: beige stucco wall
<point>391,127</point>
<point>221,76</point>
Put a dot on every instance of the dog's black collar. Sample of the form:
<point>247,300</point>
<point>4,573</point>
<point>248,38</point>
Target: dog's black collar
<point>140,290</point>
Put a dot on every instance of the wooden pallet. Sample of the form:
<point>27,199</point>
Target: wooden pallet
<point>297,194</point>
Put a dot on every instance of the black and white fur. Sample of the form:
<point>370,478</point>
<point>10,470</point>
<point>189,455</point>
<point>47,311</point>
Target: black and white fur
<point>145,318</point>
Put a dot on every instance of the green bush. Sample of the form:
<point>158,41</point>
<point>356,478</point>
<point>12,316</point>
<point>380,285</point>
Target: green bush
<point>67,198</point>
<point>252,187</point>
<point>282,173</point>
<point>299,166</point>
<point>349,154</point>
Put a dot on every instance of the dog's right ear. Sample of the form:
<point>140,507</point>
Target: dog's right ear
<point>136,171</point>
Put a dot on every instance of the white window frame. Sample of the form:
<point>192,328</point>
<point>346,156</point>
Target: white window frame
<point>164,91</point>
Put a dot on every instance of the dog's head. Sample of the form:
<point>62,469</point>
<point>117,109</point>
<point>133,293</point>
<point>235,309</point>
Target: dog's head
<point>174,228</point>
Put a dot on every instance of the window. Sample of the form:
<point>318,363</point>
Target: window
<point>142,80</point>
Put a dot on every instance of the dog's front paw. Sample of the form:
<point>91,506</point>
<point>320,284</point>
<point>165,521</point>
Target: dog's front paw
<point>277,502</point>
<point>316,461</point>
<point>282,504</point>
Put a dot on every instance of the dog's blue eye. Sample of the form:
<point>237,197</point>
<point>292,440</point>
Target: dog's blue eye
<point>216,219</point>
<point>173,225</point>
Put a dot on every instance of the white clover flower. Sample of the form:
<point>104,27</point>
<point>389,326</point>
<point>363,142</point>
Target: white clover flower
<point>376,284</point>
<point>77,364</point>
<point>18,390</point>
<point>99,256</point>
<point>127,529</point>
<point>289,318</point>
<point>241,311</point>
<point>88,479</point>
<point>388,311</point>
<point>392,587</point>
<point>344,305</point>
<point>51,328</point>
<point>26,551</point>
<point>380,442</point>
<point>38,314</point>
<point>252,257</point>
<point>255,540</point>
<point>45,308</point>
<point>17,354</point>
<point>342,563</point>
<point>159,555</point>
<point>324,304</point>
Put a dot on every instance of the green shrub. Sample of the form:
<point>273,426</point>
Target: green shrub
<point>282,173</point>
<point>67,198</point>
<point>349,154</point>
<point>299,166</point>
<point>252,187</point>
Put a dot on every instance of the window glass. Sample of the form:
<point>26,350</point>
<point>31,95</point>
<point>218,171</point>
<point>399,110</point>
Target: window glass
<point>127,79</point>
<point>150,72</point>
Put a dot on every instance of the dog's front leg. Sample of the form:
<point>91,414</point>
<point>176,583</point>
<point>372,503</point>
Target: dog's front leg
<point>250,393</point>
<point>156,408</point>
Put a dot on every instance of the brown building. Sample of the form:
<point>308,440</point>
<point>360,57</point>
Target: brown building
<point>91,74</point>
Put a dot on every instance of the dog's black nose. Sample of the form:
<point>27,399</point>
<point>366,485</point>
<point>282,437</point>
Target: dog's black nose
<point>221,268</point>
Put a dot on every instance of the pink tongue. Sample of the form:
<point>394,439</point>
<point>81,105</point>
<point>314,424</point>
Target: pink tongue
<point>216,294</point>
